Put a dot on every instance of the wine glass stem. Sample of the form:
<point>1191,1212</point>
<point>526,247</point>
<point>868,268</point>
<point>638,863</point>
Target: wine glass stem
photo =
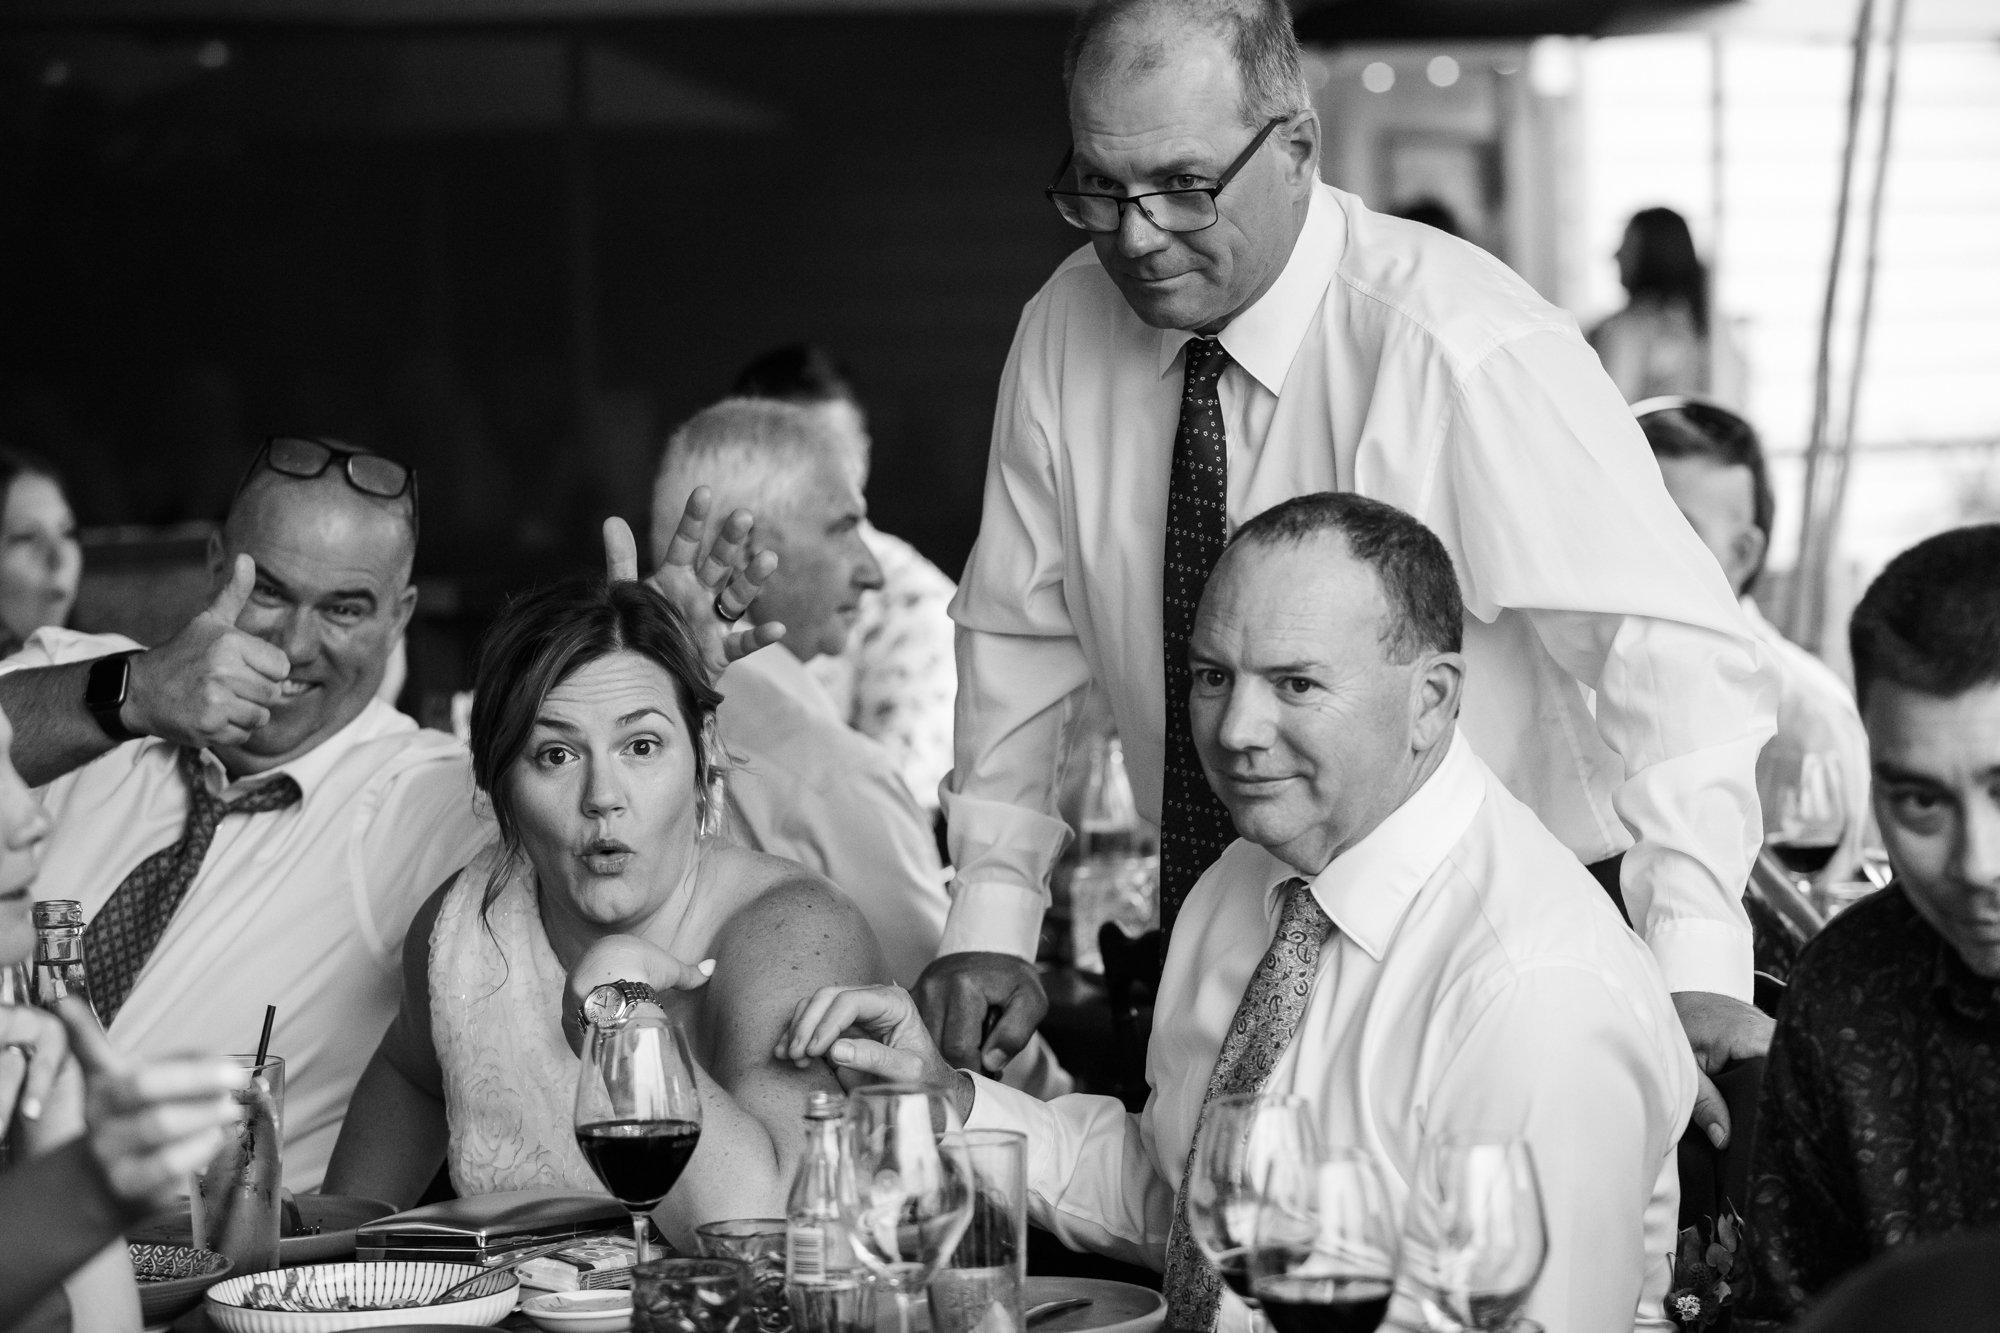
<point>903,1298</point>
<point>640,1226</point>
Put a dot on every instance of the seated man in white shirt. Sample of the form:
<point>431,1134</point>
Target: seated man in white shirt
<point>301,902</point>
<point>1393,936</point>
<point>1713,466</point>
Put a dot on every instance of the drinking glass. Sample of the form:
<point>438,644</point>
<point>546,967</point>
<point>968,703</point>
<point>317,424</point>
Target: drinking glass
<point>678,1295</point>
<point>1243,1137</point>
<point>1476,1241</point>
<point>979,1284</point>
<point>914,1188</point>
<point>759,1243</point>
<point>234,1202</point>
<point>638,1112</point>
<point>1323,1250</point>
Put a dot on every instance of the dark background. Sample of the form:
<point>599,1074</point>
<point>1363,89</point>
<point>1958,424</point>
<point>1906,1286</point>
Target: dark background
<point>288,238</point>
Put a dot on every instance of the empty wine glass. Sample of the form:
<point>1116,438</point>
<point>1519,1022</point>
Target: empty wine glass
<point>1243,1137</point>
<point>1476,1240</point>
<point>1323,1251</point>
<point>638,1112</point>
<point>913,1187</point>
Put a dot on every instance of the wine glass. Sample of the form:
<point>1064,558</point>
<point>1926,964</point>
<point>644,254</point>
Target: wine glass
<point>1809,812</point>
<point>913,1187</point>
<point>1242,1138</point>
<point>1477,1239</point>
<point>638,1112</point>
<point>1324,1248</point>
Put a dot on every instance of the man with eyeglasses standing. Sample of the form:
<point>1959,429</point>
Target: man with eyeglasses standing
<point>1236,334</point>
<point>242,820</point>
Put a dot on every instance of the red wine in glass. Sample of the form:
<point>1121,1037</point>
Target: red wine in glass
<point>1324,1304</point>
<point>1804,860</point>
<point>638,1160</point>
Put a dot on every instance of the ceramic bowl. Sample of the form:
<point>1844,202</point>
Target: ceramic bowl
<point>580,1311</point>
<point>377,1294</point>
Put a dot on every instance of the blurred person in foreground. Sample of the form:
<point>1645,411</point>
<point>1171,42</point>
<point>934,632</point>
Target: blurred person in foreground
<point>97,1141</point>
<point>244,822</point>
<point>593,739</point>
<point>1395,938</point>
<point>40,560</point>
<point>1238,333</point>
<point>1713,466</point>
<point>1666,339</point>
<point>1879,1121</point>
<point>895,681</point>
<point>802,783</point>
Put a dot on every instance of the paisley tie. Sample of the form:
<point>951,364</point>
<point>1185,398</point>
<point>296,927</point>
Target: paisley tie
<point>1194,826</point>
<point>121,936</point>
<point>1265,1020</point>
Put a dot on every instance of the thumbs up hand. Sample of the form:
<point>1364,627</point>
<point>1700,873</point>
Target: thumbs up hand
<point>211,684</point>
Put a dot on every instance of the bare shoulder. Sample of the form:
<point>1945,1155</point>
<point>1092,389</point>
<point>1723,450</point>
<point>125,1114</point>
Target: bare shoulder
<point>787,919</point>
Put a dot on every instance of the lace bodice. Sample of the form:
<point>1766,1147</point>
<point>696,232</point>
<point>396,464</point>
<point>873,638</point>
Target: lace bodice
<point>509,1076</point>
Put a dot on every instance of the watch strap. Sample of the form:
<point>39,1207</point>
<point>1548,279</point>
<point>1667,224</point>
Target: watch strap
<point>104,693</point>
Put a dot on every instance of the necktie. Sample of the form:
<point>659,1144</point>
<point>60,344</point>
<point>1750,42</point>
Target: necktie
<point>121,936</point>
<point>1194,827</point>
<point>1262,1029</point>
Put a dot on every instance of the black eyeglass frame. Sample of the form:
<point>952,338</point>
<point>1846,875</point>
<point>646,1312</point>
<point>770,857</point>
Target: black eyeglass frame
<point>334,450</point>
<point>1229,173</point>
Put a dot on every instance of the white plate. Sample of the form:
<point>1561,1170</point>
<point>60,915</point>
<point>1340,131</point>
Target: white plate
<point>581,1311</point>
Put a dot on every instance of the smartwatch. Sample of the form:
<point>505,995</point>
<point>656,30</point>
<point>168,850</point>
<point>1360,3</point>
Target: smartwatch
<point>615,1001</point>
<point>104,694</point>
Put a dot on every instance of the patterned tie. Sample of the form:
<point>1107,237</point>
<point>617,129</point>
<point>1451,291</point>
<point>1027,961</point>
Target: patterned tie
<point>1263,1026</point>
<point>1194,826</point>
<point>120,938</point>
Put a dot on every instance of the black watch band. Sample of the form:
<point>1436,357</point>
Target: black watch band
<point>104,694</point>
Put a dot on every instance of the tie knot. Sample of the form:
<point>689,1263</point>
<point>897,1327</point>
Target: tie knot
<point>1302,917</point>
<point>278,793</point>
<point>1206,358</point>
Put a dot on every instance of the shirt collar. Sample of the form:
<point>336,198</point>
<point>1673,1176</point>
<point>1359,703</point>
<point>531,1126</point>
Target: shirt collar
<point>1368,887</point>
<point>780,667</point>
<point>310,768</point>
<point>1265,338</point>
<point>1957,987</point>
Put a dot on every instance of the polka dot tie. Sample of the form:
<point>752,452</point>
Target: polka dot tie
<point>1194,826</point>
<point>1265,1020</point>
<point>121,936</point>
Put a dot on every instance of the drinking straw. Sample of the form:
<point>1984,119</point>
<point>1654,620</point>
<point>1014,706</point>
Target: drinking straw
<point>264,1041</point>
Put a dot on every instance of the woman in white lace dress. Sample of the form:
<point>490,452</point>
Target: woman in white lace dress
<point>593,739</point>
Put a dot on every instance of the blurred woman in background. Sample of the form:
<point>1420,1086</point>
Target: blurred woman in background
<point>40,561</point>
<point>1666,339</point>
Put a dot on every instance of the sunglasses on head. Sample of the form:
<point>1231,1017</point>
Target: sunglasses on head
<point>306,457</point>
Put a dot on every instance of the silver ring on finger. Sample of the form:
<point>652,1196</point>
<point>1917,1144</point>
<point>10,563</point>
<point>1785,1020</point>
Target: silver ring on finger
<point>724,614</point>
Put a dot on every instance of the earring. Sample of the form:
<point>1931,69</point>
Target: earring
<point>711,801</point>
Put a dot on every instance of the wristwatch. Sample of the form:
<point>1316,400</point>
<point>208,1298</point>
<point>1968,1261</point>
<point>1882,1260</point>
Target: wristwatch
<point>615,1001</point>
<point>104,693</point>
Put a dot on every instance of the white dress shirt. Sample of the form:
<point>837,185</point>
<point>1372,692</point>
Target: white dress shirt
<point>806,786</point>
<point>1478,983</point>
<point>1614,685</point>
<point>1816,716</point>
<point>304,908</point>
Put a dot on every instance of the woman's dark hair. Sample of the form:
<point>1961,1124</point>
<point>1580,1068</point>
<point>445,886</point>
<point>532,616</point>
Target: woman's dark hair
<point>18,463</point>
<point>542,639</point>
<point>1665,266</point>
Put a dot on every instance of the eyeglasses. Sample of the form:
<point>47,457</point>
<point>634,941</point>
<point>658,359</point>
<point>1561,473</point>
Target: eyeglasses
<point>304,457</point>
<point>1170,210</point>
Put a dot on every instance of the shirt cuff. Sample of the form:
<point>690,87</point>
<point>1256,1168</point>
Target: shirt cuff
<point>993,917</point>
<point>1704,955</point>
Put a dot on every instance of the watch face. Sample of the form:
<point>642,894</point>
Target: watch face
<point>604,1004</point>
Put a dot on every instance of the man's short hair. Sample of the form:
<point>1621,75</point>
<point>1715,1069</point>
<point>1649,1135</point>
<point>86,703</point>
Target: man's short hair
<point>1258,33</point>
<point>1683,427</point>
<point>797,373</point>
<point>752,453</point>
<point>1426,613</point>
<point>1930,621</point>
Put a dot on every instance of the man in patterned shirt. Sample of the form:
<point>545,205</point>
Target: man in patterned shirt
<point>1880,1117</point>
